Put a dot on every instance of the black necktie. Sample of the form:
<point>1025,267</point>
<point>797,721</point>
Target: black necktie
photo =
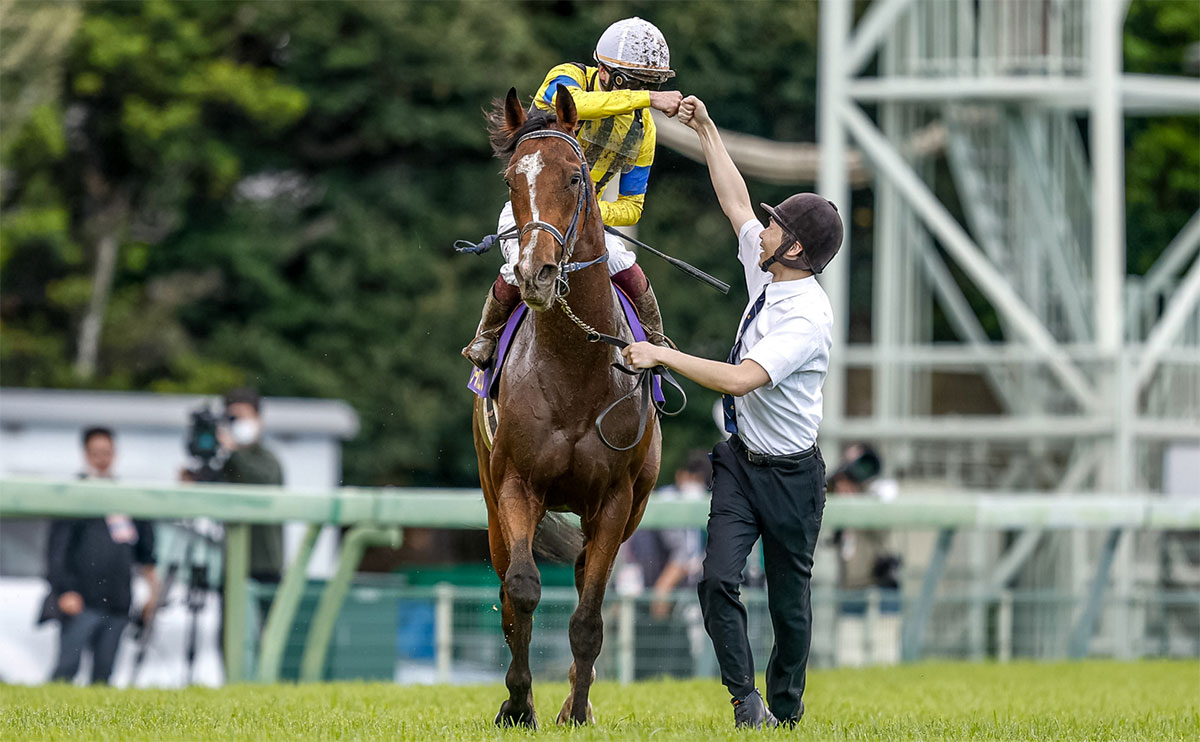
<point>734,353</point>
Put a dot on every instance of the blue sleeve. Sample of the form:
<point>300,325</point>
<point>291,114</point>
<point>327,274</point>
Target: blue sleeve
<point>552,88</point>
<point>633,183</point>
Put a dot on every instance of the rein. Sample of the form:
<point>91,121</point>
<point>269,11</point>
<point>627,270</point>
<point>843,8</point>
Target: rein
<point>644,383</point>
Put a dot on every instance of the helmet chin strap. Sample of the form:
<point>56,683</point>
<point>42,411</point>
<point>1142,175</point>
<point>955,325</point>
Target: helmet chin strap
<point>778,256</point>
<point>800,262</point>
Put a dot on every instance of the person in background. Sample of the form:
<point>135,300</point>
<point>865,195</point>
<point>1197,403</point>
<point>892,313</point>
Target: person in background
<point>663,561</point>
<point>250,462</point>
<point>89,565</point>
<point>867,561</point>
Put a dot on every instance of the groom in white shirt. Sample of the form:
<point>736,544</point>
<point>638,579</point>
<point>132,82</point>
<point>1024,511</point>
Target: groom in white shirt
<point>768,478</point>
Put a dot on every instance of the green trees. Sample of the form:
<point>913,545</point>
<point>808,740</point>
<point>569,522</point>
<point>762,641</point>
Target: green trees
<point>196,195</point>
<point>1162,154</point>
<point>143,131</point>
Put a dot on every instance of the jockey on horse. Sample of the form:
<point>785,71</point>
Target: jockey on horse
<point>618,138</point>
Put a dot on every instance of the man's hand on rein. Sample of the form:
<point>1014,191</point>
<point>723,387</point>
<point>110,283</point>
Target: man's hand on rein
<point>641,355</point>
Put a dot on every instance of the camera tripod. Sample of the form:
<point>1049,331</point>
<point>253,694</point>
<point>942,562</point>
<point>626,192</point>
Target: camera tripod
<point>185,562</point>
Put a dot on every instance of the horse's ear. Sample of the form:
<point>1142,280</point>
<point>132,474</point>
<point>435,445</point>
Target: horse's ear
<point>514,114</point>
<point>564,106</point>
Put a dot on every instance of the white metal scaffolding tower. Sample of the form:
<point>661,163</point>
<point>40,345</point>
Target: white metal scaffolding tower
<point>1087,375</point>
<point>1093,371</point>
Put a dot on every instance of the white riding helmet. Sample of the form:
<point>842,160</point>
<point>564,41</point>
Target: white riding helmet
<point>637,49</point>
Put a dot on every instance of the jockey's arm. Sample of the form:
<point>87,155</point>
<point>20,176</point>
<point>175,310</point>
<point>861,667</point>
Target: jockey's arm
<point>627,209</point>
<point>590,105</point>
<point>624,212</point>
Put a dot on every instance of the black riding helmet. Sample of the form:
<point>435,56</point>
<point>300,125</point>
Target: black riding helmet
<point>812,221</point>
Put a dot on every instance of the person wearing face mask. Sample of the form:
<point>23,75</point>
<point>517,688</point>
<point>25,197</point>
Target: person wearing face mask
<point>616,132</point>
<point>769,477</point>
<point>250,462</point>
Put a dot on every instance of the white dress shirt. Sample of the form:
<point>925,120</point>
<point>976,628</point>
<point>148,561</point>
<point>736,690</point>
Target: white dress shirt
<point>790,339</point>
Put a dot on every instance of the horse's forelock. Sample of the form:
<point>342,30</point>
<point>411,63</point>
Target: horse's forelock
<point>503,138</point>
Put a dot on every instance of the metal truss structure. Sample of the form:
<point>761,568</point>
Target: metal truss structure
<point>1091,373</point>
<point>1086,376</point>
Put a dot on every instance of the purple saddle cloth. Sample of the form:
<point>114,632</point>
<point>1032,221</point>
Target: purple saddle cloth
<point>486,382</point>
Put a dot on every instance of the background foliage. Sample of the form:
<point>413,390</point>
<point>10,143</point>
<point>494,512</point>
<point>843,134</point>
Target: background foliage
<point>277,186</point>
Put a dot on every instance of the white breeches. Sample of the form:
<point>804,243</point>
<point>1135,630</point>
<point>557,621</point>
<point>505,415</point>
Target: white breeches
<point>620,257</point>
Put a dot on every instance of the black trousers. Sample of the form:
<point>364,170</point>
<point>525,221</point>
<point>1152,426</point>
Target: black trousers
<point>783,504</point>
<point>94,630</point>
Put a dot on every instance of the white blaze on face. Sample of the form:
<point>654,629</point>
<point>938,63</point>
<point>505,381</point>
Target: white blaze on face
<point>531,167</point>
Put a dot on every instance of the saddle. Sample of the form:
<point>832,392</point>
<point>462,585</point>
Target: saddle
<point>485,383</point>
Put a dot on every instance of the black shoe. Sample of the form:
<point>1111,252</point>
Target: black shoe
<point>791,721</point>
<point>751,712</point>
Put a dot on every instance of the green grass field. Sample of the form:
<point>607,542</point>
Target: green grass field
<point>1079,701</point>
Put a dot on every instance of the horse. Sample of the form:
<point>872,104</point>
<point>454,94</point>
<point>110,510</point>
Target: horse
<point>547,456</point>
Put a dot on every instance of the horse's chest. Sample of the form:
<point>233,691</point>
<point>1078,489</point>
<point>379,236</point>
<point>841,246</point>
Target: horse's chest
<point>551,452</point>
<point>548,424</point>
<point>543,447</point>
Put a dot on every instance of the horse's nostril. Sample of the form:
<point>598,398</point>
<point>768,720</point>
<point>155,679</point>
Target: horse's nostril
<point>546,274</point>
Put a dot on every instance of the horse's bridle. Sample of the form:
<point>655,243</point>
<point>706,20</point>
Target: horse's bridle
<point>583,208</point>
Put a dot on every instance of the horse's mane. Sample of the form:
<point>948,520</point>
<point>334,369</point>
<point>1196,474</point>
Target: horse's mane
<point>503,139</point>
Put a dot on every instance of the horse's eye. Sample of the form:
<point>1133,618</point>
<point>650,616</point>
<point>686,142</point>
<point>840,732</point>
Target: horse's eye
<point>508,183</point>
<point>575,180</point>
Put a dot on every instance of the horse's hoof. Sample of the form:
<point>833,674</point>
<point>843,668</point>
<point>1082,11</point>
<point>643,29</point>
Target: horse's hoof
<point>564,716</point>
<point>506,717</point>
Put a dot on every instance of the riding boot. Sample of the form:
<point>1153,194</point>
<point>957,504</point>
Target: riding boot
<point>495,313</point>
<point>647,309</point>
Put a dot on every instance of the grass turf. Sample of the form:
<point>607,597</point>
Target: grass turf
<point>1077,701</point>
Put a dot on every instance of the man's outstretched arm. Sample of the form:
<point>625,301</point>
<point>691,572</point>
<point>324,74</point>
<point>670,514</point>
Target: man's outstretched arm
<point>726,378</point>
<point>727,181</point>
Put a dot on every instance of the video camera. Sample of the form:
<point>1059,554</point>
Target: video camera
<point>202,444</point>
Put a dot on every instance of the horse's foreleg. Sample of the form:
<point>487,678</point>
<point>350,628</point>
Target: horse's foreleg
<point>587,624</point>
<point>520,592</point>
<point>565,713</point>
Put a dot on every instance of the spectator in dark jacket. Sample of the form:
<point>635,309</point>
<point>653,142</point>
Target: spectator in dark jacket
<point>250,462</point>
<point>89,565</point>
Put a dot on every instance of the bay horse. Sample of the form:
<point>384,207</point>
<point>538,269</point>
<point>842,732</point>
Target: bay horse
<point>546,453</point>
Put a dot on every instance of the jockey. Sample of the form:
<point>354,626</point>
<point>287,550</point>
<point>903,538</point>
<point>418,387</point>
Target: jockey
<point>617,135</point>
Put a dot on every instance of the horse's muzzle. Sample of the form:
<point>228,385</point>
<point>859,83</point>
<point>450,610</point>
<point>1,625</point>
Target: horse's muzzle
<point>537,292</point>
<point>538,301</point>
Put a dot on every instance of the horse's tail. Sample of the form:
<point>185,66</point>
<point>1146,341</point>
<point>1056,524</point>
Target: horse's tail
<point>558,539</point>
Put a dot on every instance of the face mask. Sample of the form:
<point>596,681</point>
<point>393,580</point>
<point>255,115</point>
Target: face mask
<point>244,431</point>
